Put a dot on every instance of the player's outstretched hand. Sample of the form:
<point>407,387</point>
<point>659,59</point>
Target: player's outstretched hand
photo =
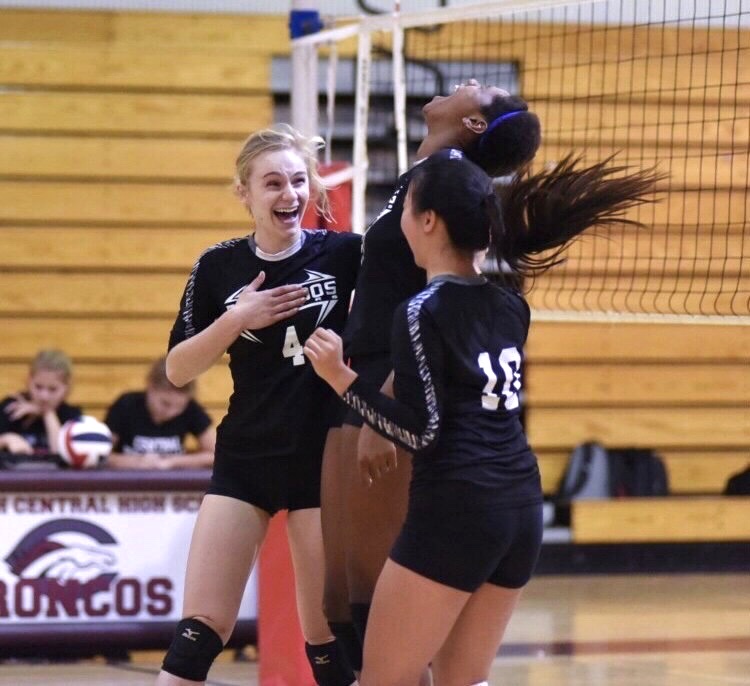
<point>376,456</point>
<point>325,352</point>
<point>262,308</point>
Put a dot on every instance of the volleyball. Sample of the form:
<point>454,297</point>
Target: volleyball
<point>84,443</point>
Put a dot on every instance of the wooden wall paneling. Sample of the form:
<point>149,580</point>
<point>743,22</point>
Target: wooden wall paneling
<point>148,114</point>
<point>638,385</point>
<point>185,204</point>
<point>91,295</point>
<point>87,337</point>
<point>114,67</point>
<point>135,159</point>
<point>652,427</point>
<point>554,342</point>
<point>632,520</point>
<point>152,30</point>
<point>132,248</point>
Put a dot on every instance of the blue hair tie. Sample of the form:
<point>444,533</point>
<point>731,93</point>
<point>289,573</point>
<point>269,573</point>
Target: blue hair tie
<point>496,122</point>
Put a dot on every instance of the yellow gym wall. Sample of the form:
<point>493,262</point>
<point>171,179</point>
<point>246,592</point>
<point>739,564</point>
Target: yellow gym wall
<point>118,133</point>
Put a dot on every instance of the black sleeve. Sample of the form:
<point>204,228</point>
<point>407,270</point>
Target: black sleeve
<point>116,418</point>
<point>5,424</point>
<point>353,245</point>
<point>197,308</point>
<point>412,419</point>
<point>198,418</point>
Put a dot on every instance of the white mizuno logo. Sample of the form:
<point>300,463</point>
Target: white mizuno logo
<point>321,292</point>
<point>190,634</point>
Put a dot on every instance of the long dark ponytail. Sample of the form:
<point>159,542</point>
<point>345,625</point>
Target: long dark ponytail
<point>528,223</point>
<point>543,213</point>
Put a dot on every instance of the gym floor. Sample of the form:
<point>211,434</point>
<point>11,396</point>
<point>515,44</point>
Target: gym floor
<point>624,630</point>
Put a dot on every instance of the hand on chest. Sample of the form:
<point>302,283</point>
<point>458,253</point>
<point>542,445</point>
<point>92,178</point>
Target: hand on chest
<point>286,337</point>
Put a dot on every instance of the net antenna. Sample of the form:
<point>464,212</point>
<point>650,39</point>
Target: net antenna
<point>656,84</point>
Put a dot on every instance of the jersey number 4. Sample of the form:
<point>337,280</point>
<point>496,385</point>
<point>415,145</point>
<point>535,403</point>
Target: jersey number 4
<point>292,347</point>
<point>510,366</point>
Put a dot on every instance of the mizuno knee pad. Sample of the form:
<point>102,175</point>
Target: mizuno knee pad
<point>193,650</point>
<point>329,665</point>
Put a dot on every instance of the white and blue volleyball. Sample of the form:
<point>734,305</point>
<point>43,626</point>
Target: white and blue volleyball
<point>84,443</point>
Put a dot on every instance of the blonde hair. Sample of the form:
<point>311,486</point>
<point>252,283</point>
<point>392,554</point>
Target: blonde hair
<point>52,361</point>
<point>285,137</point>
<point>158,380</point>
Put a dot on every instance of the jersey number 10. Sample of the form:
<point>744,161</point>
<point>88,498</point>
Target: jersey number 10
<point>510,365</point>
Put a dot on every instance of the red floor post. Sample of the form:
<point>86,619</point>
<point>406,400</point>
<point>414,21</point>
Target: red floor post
<point>281,646</point>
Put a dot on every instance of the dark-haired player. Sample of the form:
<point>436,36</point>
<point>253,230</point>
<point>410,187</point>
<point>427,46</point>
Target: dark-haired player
<point>362,516</point>
<point>474,524</point>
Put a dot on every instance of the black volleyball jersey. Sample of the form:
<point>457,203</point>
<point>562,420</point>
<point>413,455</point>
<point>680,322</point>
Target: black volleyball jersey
<point>279,406</point>
<point>457,350</point>
<point>387,277</point>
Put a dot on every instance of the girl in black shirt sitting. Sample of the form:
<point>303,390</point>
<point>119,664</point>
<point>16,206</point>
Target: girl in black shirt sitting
<point>149,427</point>
<point>30,420</point>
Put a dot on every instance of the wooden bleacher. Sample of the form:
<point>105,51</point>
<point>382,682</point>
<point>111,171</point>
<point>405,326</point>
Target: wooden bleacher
<point>661,520</point>
<point>117,147</point>
<point>118,133</point>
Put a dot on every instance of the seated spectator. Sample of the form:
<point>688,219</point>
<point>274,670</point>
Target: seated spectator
<point>30,421</point>
<point>149,427</point>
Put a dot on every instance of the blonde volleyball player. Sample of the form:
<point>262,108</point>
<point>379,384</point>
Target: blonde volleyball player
<point>259,297</point>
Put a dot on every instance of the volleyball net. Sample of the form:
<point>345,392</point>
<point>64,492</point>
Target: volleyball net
<point>661,84</point>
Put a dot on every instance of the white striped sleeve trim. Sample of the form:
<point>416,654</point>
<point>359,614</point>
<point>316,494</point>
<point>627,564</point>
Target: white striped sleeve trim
<point>372,416</point>
<point>187,310</point>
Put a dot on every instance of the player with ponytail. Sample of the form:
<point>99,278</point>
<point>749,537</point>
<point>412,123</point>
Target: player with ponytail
<point>365,479</point>
<point>473,530</point>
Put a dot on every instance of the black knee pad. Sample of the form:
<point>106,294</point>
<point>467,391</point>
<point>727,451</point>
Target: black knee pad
<point>329,665</point>
<point>193,650</point>
<point>349,642</point>
<point>360,613</point>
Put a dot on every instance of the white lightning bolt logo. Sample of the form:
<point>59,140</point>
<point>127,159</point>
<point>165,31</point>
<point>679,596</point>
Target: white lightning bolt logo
<point>326,286</point>
<point>321,292</point>
<point>230,302</point>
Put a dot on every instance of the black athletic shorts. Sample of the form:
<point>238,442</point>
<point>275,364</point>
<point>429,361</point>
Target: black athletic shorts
<point>373,368</point>
<point>270,483</point>
<point>450,538</point>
